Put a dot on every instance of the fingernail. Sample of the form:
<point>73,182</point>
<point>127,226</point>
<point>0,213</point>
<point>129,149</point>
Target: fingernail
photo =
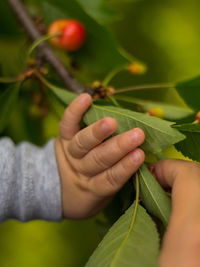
<point>136,156</point>
<point>134,136</point>
<point>83,99</point>
<point>104,127</point>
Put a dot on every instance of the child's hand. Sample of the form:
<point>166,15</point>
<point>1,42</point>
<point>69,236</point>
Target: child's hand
<point>92,170</point>
<point>181,246</point>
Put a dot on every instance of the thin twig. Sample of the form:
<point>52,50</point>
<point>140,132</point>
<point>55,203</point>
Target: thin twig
<point>38,42</point>
<point>142,87</point>
<point>10,79</point>
<point>45,50</point>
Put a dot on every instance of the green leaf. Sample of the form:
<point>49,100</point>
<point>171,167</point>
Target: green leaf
<point>189,91</point>
<point>8,20</point>
<point>11,50</point>
<point>153,196</point>
<point>130,242</point>
<point>159,134</point>
<point>190,146</point>
<point>52,13</point>
<point>171,112</point>
<point>8,99</point>
<point>101,53</point>
<point>98,10</point>
<point>64,96</point>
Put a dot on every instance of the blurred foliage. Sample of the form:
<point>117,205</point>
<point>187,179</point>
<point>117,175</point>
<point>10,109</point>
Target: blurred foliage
<point>164,35</point>
<point>47,244</point>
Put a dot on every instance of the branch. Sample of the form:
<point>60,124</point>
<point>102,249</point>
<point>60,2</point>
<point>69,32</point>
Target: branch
<point>45,50</point>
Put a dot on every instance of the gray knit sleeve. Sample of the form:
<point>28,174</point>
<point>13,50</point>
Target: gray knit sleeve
<point>29,182</point>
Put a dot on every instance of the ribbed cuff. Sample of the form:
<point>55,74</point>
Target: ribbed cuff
<point>30,183</point>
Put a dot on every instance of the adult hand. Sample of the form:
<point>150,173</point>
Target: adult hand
<point>181,245</point>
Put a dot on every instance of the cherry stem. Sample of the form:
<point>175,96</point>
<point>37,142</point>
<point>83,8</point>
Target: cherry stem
<point>40,40</point>
<point>125,54</point>
<point>142,87</point>
<point>112,74</point>
<point>45,51</point>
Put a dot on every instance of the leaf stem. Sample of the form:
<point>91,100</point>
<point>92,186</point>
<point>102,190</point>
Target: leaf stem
<point>132,221</point>
<point>40,40</point>
<point>112,74</point>
<point>142,87</point>
<point>137,188</point>
<point>125,54</point>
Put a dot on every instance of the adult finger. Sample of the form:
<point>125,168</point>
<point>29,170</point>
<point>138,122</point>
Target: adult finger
<point>112,180</point>
<point>69,124</point>
<point>181,242</point>
<point>91,136</point>
<point>111,151</point>
<point>166,171</point>
<point>184,178</point>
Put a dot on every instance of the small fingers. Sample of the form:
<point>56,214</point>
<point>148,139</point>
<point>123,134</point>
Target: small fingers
<point>69,124</point>
<point>91,136</point>
<point>112,180</point>
<point>111,151</point>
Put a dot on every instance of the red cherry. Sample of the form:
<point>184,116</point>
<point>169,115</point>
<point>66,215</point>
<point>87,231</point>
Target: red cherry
<point>73,34</point>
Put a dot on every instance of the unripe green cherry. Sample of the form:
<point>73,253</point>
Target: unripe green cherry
<point>136,68</point>
<point>157,112</point>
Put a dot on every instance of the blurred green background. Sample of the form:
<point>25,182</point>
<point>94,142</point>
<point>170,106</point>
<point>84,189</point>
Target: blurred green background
<point>163,34</point>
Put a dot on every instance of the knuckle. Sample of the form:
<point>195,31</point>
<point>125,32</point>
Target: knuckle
<point>67,117</point>
<point>112,178</point>
<point>95,132</point>
<point>63,124</point>
<point>64,128</point>
<point>70,112</point>
<point>119,144</point>
<point>80,167</point>
<point>126,165</point>
<point>61,127</point>
<point>79,143</point>
<point>99,160</point>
